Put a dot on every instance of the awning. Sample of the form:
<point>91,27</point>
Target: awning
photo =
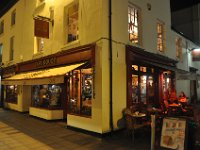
<point>47,76</point>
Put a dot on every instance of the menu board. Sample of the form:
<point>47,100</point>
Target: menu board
<point>173,133</point>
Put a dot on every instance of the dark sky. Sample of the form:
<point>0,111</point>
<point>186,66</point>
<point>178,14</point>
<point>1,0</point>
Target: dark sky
<point>179,4</point>
<point>175,4</point>
<point>5,4</point>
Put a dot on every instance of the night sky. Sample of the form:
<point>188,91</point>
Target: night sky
<point>175,4</point>
<point>5,4</point>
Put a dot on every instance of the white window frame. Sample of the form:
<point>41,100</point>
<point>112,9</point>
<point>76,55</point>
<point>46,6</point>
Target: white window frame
<point>160,28</point>
<point>71,26</point>
<point>134,24</point>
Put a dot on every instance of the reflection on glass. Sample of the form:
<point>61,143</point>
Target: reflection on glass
<point>11,93</point>
<point>143,88</point>
<point>81,91</point>
<point>46,96</point>
<point>135,90</point>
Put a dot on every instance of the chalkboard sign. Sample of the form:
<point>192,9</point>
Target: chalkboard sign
<point>173,133</point>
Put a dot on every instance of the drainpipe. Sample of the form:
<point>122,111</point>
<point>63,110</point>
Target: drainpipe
<point>110,62</point>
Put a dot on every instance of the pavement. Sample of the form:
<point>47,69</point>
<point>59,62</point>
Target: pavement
<point>19,131</point>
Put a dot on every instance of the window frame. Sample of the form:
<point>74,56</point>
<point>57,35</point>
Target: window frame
<point>1,27</point>
<point>179,48</point>
<point>13,17</point>
<point>11,54</point>
<point>79,104</point>
<point>14,97</point>
<point>69,38</point>
<point>160,28</point>
<point>137,23</point>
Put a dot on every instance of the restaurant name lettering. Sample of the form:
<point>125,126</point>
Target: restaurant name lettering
<point>46,62</point>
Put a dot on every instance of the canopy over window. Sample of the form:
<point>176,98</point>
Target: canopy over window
<point>46,76</point>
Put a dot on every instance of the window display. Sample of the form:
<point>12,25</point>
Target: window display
<point>11,93</point>
<point>81,90</point>
<point>46,96</point>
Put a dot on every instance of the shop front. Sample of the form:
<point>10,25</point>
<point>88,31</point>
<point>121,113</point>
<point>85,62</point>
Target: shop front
<point>52,86</point>
<point>149,77</point>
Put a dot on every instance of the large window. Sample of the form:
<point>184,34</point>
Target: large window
<point>160,37</point>
<point>71,22</point>
<point>46,96</point>
<point>134,24</point>
<point>81,92</point>
<point>11,93</point>
<point>143,84</point>
<point>179,48</point>
<point>13,17</point>
<point>1,27</point>
<point>11,48</point>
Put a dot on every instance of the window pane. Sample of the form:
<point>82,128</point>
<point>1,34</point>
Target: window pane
<point>135,88</point>
<point>11,93</point>
<point>11,48</point>
<point>13,17</point>
<point>81,91</point>
<point>133,24</point>
<point>46,96</point>
<point>72,23</point>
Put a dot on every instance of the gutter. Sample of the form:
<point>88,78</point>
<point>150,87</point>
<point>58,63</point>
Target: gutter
<point>110,63</point>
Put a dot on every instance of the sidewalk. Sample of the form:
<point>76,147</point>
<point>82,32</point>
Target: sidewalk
<point>22,132</point>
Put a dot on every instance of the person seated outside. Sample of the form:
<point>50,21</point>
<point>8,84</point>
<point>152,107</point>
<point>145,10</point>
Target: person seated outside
<point>172,96</point>
<point>182,97</point>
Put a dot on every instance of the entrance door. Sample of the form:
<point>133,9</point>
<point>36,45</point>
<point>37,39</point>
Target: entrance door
<point>193,91</point>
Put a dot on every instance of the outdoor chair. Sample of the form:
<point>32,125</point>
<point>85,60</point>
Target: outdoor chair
<point>132,125</point>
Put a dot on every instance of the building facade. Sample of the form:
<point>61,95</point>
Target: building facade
<point>87,60</point>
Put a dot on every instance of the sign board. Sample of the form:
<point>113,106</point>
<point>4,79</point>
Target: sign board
<point>41,28</point>
<point>173,133</point>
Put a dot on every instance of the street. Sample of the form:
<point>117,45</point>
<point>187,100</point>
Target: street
<point>19,131</point>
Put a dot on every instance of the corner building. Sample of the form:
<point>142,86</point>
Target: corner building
<point>84,61</point>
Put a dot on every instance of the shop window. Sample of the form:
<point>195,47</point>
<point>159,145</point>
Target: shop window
<point>81,92</point>
<point>143,88</point>
<point>13,18</point>
<point>71,22</point>
<point>46,96</point>
<point>11,48</point>
<point>1,27</point>
<point>134,24</point>
<point>160,37</point>
<point>179,48</point>
<point>11,94</point>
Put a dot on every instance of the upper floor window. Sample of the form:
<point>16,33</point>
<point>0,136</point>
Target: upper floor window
<point>134,24</point>
<point>71,22</point>
<point>11,48</point>
<point>13,17</point>
<point>160,36</point>
<point>179,48</point>
<point>1,27</point>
